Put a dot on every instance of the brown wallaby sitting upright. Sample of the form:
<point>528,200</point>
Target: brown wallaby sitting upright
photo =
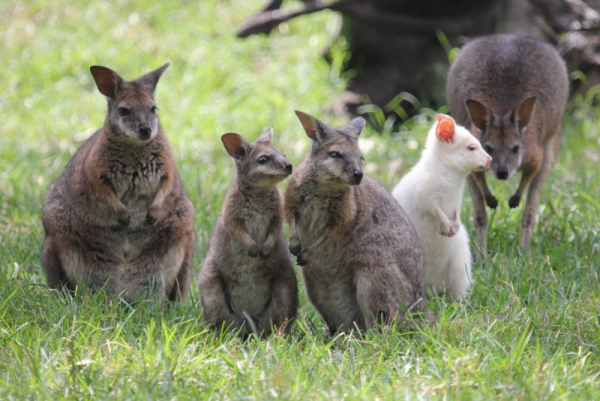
<point>511,91</point>
<point>361,258</point>
<point>247,279</point>
<point>118,217</point>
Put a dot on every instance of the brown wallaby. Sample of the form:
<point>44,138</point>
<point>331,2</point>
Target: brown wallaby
<point>511,91</point>
<point>118,217</point>
<point>247,280</point>
<point>361,258</point>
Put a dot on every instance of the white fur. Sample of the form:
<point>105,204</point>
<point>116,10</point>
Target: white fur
<point>431,195</point>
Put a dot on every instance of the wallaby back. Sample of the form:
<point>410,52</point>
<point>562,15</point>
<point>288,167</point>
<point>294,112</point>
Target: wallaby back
<point>431,195</point>
<point>247,280</point>
<point>118,217</point>
<point>360,256</point>
<point>511,91</point>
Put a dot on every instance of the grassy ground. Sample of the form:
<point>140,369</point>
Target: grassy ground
<point>529,329</point>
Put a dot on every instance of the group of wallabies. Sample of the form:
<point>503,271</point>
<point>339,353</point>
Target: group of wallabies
<point>118,218</point>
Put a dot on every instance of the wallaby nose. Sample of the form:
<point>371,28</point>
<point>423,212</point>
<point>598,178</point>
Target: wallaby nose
<point>145,131</point>
<point>502,173</point>
<point>357,177</point>
<point>288,167</point>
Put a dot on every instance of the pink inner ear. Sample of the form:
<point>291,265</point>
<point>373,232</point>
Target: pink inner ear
<point>445,128</point>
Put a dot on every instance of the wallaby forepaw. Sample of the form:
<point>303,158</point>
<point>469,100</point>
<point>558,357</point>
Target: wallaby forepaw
<point>491,201</point>
<point>123,217</point>
<point>264,252</point>
<point>152,215</point>
<point>303,257</point>
<point>295,246</point>
<point>514,201</point>
<point>253,251</point>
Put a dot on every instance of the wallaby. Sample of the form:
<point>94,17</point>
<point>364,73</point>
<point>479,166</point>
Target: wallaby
<point>247,280</point>
<point>431,195</point>
<point>361,259</point>
<point>118,218</point>
<point>511,91</point>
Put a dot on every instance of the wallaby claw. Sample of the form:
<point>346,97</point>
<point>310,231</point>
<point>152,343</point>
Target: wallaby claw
<point>303,257</point>
<point>253,251</point>
<point>152,215</point>
<point>491,201</point>
<point>123,217</point>
<point>514,201</point>
<point>295,246</point>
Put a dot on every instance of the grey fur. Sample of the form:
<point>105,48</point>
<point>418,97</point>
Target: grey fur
<point>247,279</point>
<point>118,217</point>
<point>361,258</point>
<point>511,91</point>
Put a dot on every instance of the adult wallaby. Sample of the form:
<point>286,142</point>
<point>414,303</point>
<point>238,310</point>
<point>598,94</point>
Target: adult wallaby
<point>431,195</point>
<point>247,279</point>
<point>118,217</point>
<point>511,91</point>
<point>361,259</point>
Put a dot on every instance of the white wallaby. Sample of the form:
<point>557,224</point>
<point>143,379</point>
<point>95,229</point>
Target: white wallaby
<point>431,195</point>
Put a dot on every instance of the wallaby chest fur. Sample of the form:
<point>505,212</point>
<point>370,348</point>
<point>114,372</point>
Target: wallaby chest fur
<point>118,218</point>
<point>361,258</point>
<point>431,196</point>
<point>511,92</point>
<point>247,279</point>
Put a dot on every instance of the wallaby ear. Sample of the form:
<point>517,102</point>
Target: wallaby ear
<point>235,145</point>
<point>444,131</point>
<point>310,124</point>
<point>107,81</point>
<point>150,79</point>
<point>266,137</point>
<point>478,112</point>
<point>354,127</point>
<point>522,114</point>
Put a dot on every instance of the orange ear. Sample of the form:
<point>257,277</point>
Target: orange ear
<point>445,128</point>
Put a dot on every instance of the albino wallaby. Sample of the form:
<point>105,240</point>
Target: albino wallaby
<point>248,280</point>
<point>118,217</point>
<point>511,91</point>
<point>431,195</point>
<point>361,258</point>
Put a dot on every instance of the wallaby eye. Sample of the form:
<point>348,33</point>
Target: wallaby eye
<point>123,112</point>
<point>488,149</point>
<point>154,109</point>
<point>516,149</point>
<point>472,147</point>
<point>263,159</point>
<point>334,155</point>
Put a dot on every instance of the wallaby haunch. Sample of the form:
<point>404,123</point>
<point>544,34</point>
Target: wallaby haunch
<point>247,279</point>
<point>512,92</point>
<point>361,259</point>
<point>118,216</point>
<point>431,195</point>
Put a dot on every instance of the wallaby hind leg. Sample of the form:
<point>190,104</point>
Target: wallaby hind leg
<point>378,298</point>
<point>55,274</point>
<point>215,305</point>
<point>535,189</point>
<point>480,217</point>
<point>181,286</point>
<point>281,310</point>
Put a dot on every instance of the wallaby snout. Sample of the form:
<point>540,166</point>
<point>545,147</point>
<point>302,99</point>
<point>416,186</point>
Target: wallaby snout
<point>356,177</point>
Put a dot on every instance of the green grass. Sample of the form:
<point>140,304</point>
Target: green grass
<point>528,330</point>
